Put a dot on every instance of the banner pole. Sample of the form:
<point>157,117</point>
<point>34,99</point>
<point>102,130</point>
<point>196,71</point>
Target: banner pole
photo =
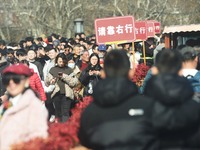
<point>133,51</point>
<point>144,50</point>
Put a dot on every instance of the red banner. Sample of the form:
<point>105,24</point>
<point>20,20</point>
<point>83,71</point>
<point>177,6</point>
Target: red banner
<point>115,29</point>
<point>141,30</point>
<point>150,28</point>
<point>157,27</point>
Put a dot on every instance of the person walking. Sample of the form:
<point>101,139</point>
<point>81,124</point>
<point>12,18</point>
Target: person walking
<point>52,53</point>
<point>91,75</point>
<point>35,83</point>
<point>64,79</point>
<point>176,114</point>
<point>23,117</point>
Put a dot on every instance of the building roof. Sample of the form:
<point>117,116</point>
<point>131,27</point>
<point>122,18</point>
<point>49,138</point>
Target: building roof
<point>181,28</point>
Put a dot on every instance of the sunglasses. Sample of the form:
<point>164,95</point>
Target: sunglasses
<point>16,79</point>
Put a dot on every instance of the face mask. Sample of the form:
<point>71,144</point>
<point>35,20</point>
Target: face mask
<point>71,65</point>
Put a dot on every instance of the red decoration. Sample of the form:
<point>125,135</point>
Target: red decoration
<point>150,28</point>
<point>140,74</point>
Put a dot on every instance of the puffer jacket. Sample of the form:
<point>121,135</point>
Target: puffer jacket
<point>176,115</point>
<point>36,85</point>
<point>118,118</point>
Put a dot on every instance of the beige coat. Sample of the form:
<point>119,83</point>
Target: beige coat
<point>24,121</point>
<point>70,82</point>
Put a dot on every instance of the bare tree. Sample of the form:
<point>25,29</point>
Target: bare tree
<point>24,17</point>
<point>45,16</point>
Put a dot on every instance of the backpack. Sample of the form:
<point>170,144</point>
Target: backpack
<point>195,81</point>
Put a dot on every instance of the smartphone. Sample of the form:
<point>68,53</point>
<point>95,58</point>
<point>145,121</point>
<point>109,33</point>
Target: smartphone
<point>60,73</point>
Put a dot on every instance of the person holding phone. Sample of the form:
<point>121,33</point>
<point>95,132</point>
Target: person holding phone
<point>64,80</point>
<point>91,74</point>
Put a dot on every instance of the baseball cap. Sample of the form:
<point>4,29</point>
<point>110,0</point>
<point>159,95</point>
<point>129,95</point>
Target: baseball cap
<point>102,47</point>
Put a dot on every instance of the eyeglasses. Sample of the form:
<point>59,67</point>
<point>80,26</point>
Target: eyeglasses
<point>16,79</point>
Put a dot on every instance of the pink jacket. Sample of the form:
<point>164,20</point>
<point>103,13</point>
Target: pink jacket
<point>24,121</point>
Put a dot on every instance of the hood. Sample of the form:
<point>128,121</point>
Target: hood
<point>169,89</point>
<point>113,91</point>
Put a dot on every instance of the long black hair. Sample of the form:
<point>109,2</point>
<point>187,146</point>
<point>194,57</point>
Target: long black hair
<point>97,66</point>
<point>64,58</point>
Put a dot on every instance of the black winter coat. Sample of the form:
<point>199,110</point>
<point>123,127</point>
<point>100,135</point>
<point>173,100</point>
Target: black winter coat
<point>3,65</point>
<point>88,81</point>
<point>117,119</point>
<point>176,115</point>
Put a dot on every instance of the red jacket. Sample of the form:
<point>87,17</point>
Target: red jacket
<point>36,85</point>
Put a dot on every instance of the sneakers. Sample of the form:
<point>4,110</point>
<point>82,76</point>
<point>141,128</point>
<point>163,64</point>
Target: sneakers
<point>52,118</point>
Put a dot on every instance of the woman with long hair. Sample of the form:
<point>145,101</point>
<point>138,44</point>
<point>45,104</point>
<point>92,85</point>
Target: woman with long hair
<point>91,75</point>
<point>64,79</point>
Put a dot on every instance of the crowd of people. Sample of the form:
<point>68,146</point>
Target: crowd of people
<point>166,116</point>
<point>63,69</point>
<point>54,73</point>
<point>68,67</point>
<point>43,78</point>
